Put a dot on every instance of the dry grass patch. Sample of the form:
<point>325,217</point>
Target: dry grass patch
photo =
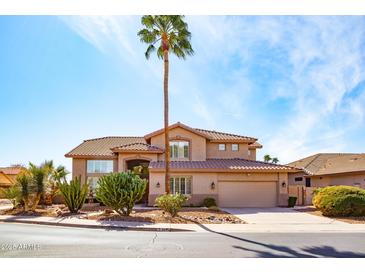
<point>351,220</point>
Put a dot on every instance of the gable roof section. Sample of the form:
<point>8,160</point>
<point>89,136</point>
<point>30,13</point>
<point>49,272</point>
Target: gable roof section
<point>222,164</point>
<point>331,163</point>
<point>178,124</point>
<point>211,135</point>
<point>223,136</point>
<point>102,146</point>
<point>138,147</point>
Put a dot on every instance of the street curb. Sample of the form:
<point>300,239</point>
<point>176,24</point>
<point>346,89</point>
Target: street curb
<point>105,227</point>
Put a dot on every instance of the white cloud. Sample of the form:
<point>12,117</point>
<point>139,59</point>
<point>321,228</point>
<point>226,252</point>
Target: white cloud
<point>316,63</point>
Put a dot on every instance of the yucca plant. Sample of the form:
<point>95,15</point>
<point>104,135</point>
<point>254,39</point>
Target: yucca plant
<point>24,181</point>
<point>13,194</point>
<point>121,191</point>
<point>74,194</point>
<point>39,176</point>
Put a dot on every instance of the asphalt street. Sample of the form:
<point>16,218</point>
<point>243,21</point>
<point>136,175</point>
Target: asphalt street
<point>26,240</point>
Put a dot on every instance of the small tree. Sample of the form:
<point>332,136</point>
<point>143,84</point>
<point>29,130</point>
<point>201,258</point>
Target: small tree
<point>121,191</point>
<point>171,203</point>
<point>13,194</point>
<point>74,194</point>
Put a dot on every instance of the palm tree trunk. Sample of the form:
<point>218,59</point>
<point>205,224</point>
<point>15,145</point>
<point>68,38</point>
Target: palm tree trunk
<point>166,120</point>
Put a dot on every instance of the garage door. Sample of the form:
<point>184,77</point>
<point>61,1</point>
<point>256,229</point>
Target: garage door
<point>247,194</point>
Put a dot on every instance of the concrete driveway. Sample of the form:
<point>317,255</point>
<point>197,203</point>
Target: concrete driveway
<point>277,215</point>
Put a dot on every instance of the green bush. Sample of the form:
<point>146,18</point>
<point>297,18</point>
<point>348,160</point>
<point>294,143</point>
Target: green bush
<point>208,202</point>
<point>292,200</point>
<point>171,203</point>
<point>121,191</point>
<point>340,201</point>
<point>12,193</point>
<point>74,194</point>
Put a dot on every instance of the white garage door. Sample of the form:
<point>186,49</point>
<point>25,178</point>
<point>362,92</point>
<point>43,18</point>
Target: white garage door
<point>247,194</point>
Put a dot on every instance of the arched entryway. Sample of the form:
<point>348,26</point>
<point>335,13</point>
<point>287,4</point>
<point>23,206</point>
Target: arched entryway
<point>140,166</point>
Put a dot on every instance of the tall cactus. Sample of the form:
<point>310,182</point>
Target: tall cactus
<point>74,194</point>
<point>121,191</point>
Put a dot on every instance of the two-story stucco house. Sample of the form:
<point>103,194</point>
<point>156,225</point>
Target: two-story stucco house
<point>204,163</point>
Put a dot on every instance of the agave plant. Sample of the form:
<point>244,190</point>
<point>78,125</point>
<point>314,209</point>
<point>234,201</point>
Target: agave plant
<point>74,194</point>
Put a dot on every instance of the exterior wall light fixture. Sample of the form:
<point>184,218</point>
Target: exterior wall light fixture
<point>283,184</point>
<point>158,185</point>
<point>212,185</point>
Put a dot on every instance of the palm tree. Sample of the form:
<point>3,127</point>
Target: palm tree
<point>38,174</point>
<point>165,34</point>
<point>275,160</point>
<point>267,158</point>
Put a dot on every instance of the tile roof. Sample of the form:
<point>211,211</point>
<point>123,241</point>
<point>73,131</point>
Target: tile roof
<point>255,145</point>
<point>10,170</point>
<point>225,164</point>
<point>331,163</point>
<point>217,136</point>
<point>106,146</point>
<point>102,146</point>
<point>138,147</point>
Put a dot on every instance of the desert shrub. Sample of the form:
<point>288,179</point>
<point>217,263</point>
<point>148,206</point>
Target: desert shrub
<point>13,194</point>
<point>208,202</point>
<point>74,194</point>
<point>340,201</point>
<point>121,191</point>
<point>292,200</point>
<point>171,203</point>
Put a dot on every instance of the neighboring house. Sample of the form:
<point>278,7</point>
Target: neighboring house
<point>204,163</point>
<point>8,176</point>
<point>327,169</point>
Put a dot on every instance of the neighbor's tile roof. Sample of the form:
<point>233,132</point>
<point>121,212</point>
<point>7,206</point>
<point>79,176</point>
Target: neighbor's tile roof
<point>217,135</point>
<point>331,163</point>
<point>138,147</point>
<point>102,146</point>
<point>10,170</point>
<point>225,164</point>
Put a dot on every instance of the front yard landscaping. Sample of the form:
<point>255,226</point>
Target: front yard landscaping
<point>351,220</point>
<point>149,215</point>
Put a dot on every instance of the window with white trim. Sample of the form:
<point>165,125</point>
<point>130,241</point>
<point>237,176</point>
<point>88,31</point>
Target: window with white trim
<point>234,147</point>
<point>179,150</point>
<point>99,166</point>
<point>222,147</point>
<point>180,185</point>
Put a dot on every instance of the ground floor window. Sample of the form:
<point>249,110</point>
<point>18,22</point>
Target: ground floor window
<point>308,182</point>
<point>180,185</point>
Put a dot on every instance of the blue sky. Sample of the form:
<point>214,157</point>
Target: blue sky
<point>296,83</point>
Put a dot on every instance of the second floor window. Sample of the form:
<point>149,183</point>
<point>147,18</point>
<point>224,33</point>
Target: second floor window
<point>99,166</point>
<point>234,147</point>
<point>179,150</point>
<point>222,147</point>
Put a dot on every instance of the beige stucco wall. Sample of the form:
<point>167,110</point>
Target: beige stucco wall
<point>252,155</point>
<point>350,179</point>
<point>213,152</point>
<point>79,169</point>
<point>200,187</point>
<point>123,157</point>
<point>292,176</point>
<point>201,184</point>
<point>197,143</point>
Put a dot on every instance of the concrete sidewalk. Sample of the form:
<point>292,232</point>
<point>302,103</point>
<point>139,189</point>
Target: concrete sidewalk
<point>214,228</point>
<point>278,216</point>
